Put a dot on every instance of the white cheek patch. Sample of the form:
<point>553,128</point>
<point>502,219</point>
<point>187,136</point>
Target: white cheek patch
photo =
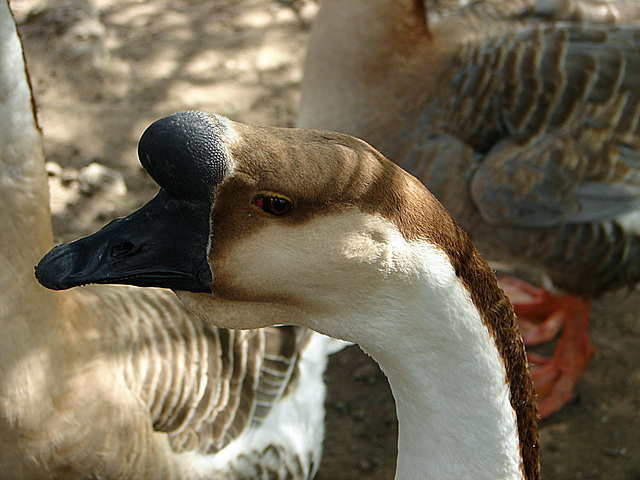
<point>317,263</point>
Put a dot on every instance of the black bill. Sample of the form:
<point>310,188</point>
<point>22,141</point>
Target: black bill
<point>163,244</point>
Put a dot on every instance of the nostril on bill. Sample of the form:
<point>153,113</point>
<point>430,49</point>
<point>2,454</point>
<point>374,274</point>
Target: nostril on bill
<point>121,249</point>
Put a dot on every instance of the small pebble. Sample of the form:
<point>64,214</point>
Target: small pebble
<point>97,177</point>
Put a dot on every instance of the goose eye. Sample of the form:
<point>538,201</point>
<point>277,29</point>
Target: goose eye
<point>276,205</point>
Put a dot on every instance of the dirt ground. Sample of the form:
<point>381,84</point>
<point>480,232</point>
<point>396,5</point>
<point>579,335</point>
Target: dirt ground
<point>102,70</point>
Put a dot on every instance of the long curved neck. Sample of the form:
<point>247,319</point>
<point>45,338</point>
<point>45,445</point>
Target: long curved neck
<point>454,415</point>
<point>449,378</point>
<point>25,232</point>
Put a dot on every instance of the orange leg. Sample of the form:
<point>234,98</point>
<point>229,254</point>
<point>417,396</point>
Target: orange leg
<point>541,316</point>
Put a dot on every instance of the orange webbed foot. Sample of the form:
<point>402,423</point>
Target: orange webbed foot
<point>541,315</point>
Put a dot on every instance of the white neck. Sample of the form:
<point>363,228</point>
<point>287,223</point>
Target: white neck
<point>447,377</point>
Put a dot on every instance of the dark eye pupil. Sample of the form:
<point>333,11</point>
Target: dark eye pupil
<point>273,205</point>
<point>278,205</point>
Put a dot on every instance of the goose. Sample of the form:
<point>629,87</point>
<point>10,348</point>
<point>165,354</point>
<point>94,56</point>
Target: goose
<point>319,230</point>
<point>124,382</point>
<point>525,130</point>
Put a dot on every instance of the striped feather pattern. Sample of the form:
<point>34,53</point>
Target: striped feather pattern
<point>575,79</point>
<point>205,386</point>
<point>202,385</point>
<point>551,116</point>
<point>145,390</point>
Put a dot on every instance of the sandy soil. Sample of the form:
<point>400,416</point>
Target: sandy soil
<point>102,70</point>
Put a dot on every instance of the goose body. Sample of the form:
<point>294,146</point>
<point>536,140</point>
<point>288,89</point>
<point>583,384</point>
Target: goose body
<point>318,229</point>
<point>123,382</point>
<point>526,131</point>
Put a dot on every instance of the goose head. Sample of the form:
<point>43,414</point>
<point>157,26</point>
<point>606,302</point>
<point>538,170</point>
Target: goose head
<point>256,226</point>
<point>292,221</point>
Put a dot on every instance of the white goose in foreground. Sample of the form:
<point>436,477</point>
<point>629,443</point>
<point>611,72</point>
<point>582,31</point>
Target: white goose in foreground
<point>122,382</point>
<point>320,230</point>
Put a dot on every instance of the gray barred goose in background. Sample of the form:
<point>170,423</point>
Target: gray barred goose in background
<point>319,230</point>
<point>123,382</point>
<point>524,127</point>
